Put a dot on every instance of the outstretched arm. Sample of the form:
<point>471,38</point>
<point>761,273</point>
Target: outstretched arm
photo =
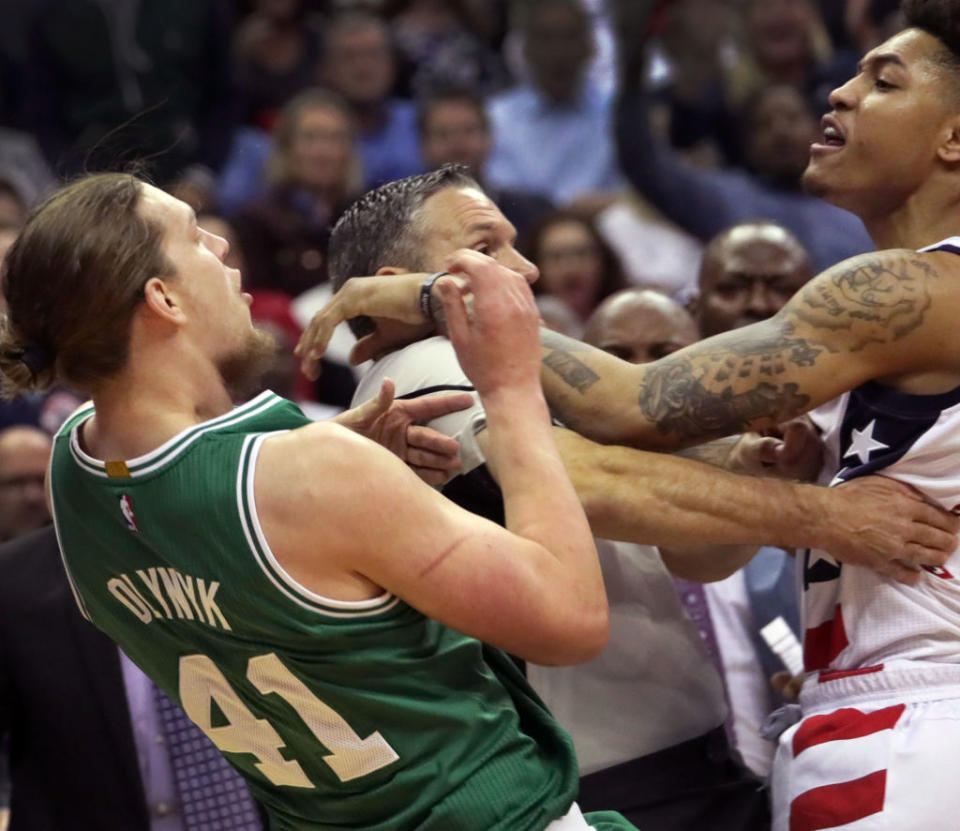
<point>878,315</point>
<point>692,508</point>
<point>873,316</point>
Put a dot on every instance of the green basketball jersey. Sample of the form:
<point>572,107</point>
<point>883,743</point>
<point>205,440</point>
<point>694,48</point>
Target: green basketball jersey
<point>339,714</point>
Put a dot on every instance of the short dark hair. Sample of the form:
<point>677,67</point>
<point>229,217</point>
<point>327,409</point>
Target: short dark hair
<point>940,18</point>
<point>381,228</point>
<point>450,95</point>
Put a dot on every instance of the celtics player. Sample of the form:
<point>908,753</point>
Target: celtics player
<point>331,622</point>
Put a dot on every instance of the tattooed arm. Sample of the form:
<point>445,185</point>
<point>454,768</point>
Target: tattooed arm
<point>872,316</point>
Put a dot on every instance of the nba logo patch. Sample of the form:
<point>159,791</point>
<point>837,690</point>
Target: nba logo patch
<point>126,508</point>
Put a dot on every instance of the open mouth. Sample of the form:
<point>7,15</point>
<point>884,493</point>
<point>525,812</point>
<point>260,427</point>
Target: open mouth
<point>830,133</point>
<point>832,137</point>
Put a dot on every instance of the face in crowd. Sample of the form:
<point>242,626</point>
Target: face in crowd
<point>321,148</point>
<point>558,46</point>
<point>455,131</point>
<point>640,325</point>
<point>571,264</point>
<point>358,62</point>
<point>24,455</point>
<point>749,272</point>
<point>779,127</point>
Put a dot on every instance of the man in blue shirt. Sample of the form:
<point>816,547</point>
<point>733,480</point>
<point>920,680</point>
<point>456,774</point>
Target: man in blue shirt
<point>358,64</point>
<point>551,132</point>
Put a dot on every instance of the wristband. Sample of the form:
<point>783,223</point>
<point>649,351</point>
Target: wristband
<point>426,287</point>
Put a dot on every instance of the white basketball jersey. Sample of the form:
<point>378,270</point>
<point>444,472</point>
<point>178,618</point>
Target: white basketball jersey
<point>853,618</point>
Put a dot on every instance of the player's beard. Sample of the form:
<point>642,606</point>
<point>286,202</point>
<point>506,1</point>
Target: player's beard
<point>242,371</point>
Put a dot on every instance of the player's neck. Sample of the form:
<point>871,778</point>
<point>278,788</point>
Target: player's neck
<point>141,409</point>
<point>918,222</point>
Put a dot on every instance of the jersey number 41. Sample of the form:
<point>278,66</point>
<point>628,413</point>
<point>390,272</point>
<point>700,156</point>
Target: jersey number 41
<point>350,756</point>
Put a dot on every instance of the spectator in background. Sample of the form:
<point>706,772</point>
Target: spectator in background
<point>89,745</point>
<point>778,128</point>
<point>785,42</point>
<point>313,172</point>
<point>276,49</point>
<point>870,22</point>
<point>454,129</point>
<point>551,132</point>
<point>665,683</point>
<point>358,63</point>
<point>719,56</point>
<point>439,45</point>
<point>640,325</point>
<point>110,82</point>
<point>748,273</point>
<point>24,455</point>
<point>576,264</point>
<point>197,186</point>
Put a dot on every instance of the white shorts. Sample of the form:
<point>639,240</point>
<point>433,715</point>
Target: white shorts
<point>573,820</point>
<point>878,751</point>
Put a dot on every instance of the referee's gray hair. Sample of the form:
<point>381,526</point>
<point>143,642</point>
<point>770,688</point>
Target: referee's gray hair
<point>381,228</point>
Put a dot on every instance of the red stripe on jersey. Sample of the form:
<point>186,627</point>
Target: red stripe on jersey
<point>847,723</point>
<point>831,805</point>
<point>823,643</point>
<point>834,674</point>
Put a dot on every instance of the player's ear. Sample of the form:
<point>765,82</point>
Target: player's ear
<point>392,269</point>
<point>949,150</point>
<point>161,301</point>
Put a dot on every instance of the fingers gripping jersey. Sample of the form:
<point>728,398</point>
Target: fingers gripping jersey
<point>339,714</point>
<point>854,618</point>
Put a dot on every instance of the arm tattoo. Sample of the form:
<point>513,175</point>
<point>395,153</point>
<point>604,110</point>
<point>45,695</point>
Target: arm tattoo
<point>714,389</point>
<point>878,301</point>
<point>574,372</point>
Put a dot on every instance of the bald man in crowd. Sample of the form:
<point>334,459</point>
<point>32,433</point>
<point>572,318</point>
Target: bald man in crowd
<point>640,325</point>
<point>749,271</point>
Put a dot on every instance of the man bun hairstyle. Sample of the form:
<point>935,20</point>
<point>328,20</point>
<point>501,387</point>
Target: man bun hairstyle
<point>72,280</point>
<point>381,229</point>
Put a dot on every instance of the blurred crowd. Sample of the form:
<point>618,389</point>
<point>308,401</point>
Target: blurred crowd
<point>270,116</point>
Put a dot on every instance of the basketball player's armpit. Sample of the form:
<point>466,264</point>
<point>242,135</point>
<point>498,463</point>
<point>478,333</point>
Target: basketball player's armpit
<point>875,298</point>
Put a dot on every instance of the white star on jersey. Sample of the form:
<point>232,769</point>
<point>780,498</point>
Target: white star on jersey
<point>862,443</point>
